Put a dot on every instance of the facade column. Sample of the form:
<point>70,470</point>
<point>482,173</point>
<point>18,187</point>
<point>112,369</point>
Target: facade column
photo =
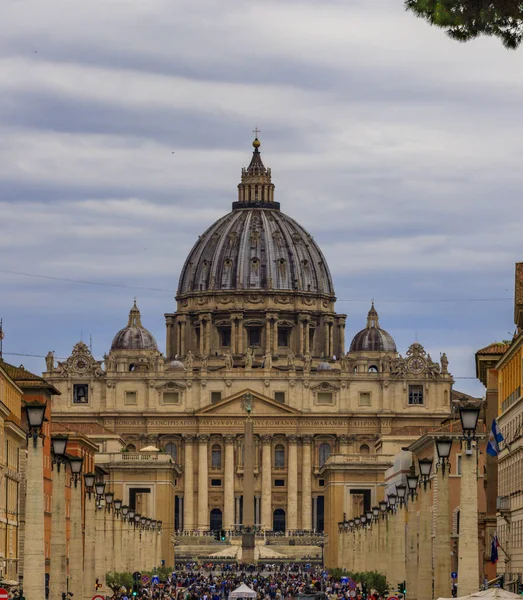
<point>342,336</point>
<point>301,347</point>
<point>268,334</point>
<point>237,511</point>
<point>203,483</point>
<point>292,484</point>
<point>411,570</point>
<point>275,336</point>
<point>239,332</point>
<point>208,332</point>
<point>234,342</point>
<point>468,561</point>
<point>331,338</point>
<point>228,489</point>
<point>307,336</point>
<point>169,336</point>
<point>188,487</point>
<point>306,490</point>
<point>34,557</point>
<point>442,566</point>
<point>183,333</point>
<point>202,337</point>
<point>315,513</point>
<point>58,570</point>
<point>266,499</point>
<point>76,568</point>
<point>344,444</point>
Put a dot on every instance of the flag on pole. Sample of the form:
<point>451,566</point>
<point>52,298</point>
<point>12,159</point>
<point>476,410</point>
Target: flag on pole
<point>494,549</point>
<point>495,438</point>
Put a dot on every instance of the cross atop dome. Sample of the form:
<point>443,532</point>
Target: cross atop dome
<point>256,189</point>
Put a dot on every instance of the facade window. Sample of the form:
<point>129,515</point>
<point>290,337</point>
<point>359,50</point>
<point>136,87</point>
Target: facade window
<point>373,369</point>
<point>216,397</point>
<point>364,398</point>
<point>279,483</point>
<point>216,456</point>
<point>254,336</point>
<point>171,398</point>
<point>321,482</point>
<point>172,450</point>
<point>80,393</point>
<point>131,448</point>
<point>364,449</point>
<point>284,335</point>
<point>130,398</point>
<point>415,394</point>
<point>225,336</point>
<point>216,483</point>
<point>458,464</point>
<point>279,455</point>
<point>311,339</point>
<point>324,453</point>
<point>279,397</point>
<point>325,397</point>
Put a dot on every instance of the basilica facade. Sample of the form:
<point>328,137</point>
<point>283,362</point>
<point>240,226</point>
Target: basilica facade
<point>255,314</point>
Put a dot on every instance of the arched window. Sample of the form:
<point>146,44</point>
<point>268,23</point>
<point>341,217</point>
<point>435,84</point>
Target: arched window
<point>364,449</point>
<point>373,369</point>
<point>324,452</point>
<point>216,520</point>
<point>278,520</point>
<point>279,455</point>
<point>216,455</point>
<point>131,448</point>
<point>172,450</point>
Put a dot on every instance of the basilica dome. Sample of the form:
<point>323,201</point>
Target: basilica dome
<point>373,338</point>
<point>135,336</point>
<point>256,247</point>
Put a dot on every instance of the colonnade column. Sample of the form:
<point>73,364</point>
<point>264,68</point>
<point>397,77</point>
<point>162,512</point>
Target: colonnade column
<point>76,569</point>
<point>442,564</point>
<point>228,490</point>
<point>266,500</point>
<point>424,545</point>
<point>411,566</point>
<point>468,563</point>
<point>188,488</point>
<point>58,571</point>
<point>203,483</point>
<point>306,516</point>
<point>89,547</point>
<point>292,484</point>
<point>99,563</point>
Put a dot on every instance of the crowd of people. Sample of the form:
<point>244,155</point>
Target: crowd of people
<point>209,581</point>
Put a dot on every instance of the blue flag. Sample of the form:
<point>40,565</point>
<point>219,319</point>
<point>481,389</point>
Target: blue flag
<point>495,438</point>
<point>494,550</point>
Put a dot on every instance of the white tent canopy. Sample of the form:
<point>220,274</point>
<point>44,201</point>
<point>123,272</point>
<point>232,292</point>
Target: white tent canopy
<point>490,594</point>
<point>150,449</point>
<point>244,591</point>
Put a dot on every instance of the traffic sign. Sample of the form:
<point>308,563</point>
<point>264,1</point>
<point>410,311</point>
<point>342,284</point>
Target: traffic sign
<point>393,598</point>
<point>3,594</point>
<point>453,574</point>
<point>98,597</point>
<point>155,579</point>
<point>145,580</point>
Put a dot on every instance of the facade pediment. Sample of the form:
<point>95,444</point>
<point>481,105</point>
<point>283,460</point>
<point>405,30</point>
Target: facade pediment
<point>233,405</point>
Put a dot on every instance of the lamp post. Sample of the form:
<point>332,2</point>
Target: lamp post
<point>109,532</point>
<point>100,554</point>
<point>468,555</point>
<point>58,569</point>
<point>131,563</point>
<point>424,588</point>
<point>89,568</point>
<point>442,564</point>
<point>401,491</point>
<point>411,566</point>
<point>34,551</point>
<point>75,538</point>
<point>117,535</point>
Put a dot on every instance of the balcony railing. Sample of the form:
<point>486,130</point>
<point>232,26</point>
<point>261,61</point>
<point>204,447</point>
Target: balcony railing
<point>134,457</point>
<point>503,503</point>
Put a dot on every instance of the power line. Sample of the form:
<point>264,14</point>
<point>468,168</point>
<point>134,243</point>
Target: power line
<point>167,290</point>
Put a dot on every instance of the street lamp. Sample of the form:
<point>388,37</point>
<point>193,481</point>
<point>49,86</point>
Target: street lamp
<point>159,525</point>
<point>412,484</point>
<point>125,511</point>
<point>89,479</point>
<point>425,468</point>
<point>357,521</point>
<point>469,420</point>
<point>117,507</point>
<point>99,487</point>
<point>136,520</point>
<point>383,508</point>
<point>109,497</point>
<point>368,514</point>
<point>375,512</point>
<point>401,490</point>
<point>443,448</point>
<point>35,412</point>
<point>363,520</point>
<point>143,520</point>
<point>58,447</point>
<point>76,464</point>
<point>392,501</point>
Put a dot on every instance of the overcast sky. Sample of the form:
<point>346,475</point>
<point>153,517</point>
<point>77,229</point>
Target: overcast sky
<point>124,125</point>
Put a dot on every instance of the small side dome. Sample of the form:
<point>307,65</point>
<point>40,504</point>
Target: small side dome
<point>175,364</point>
<point>324,366</point>
<point>134,336</point>
<point>373,338</point>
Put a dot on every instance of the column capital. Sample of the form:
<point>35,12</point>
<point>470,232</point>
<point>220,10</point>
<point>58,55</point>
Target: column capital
<point>189,437</point>
<point>266,439</point>
<point>307,439</point>
<point>304,317</point>
<point>181,318</point>
<point>344,438</point>
<point>236,316</point>
<point>169,320</point>
<point>293,439</point>
<point>203,438</point>
<point>229,438</point>
<point>271,316</point>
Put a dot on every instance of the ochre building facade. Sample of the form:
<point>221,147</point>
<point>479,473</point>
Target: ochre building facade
<point>255,314</point>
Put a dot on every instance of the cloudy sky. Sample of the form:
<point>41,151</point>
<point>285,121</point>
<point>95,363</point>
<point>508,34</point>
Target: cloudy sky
<point>124,125</point>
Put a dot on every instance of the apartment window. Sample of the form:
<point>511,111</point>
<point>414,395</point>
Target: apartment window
<point>279,455</point>
<point>216,482</point>
<point>325,397</point>
<point>284,335</point>
<point>130,398</point>
<point>324,453</point>
<point>415,394</point>
<point>215,397</point>
<point>80,393</point>
<point>171,398</point>
<point>216,456</point>
<point>364,398</point>
<point>225,336</point>
<point>279,397</point>
<point>254,336</point>
<point>279,483</point>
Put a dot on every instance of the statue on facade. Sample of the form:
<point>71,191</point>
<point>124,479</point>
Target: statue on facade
<point>444,363</point>
<point>307,362</point>
<point>386,364</point>
<point>205,362</point>
<point>291,361</point>
<point>397,366</point>
<point>189,360</point>
<point>228,360</point>
<point>249,357</point>
<point>267,361</point>
<point>49,361</point>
